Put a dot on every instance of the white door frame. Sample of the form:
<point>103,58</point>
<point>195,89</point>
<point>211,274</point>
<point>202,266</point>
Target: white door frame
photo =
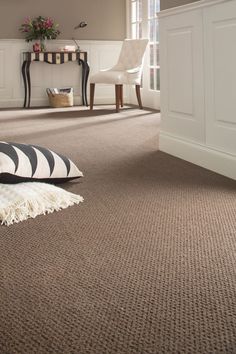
<point>150,98</point>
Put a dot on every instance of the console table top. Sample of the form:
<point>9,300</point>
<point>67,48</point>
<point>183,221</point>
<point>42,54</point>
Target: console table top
<point>55,57</point>
<point>56,51</point>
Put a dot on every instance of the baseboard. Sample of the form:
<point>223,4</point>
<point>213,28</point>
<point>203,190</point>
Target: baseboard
<point>108,100</point>
<point>41,102</point>
<point>207,157</point>
<point>35,102</point>
<point>11,103</point>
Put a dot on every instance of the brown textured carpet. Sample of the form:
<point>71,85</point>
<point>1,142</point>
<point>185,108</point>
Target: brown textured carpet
<point>145,265</point>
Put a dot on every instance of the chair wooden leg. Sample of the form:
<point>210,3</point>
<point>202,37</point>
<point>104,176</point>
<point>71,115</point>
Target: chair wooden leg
<point>121,96</point>
<point>138,94</point>
<point>92,90</point>
<point>118,91</point>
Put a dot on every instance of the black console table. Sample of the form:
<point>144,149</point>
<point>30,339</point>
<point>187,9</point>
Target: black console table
<point>54,58</point>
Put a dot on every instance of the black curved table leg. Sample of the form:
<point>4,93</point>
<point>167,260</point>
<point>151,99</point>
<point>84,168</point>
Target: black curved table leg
<point>85,74</point>
<point>87,70</point>
<point>23,70</point>
<point>29,81</point>
<point>81,62</point>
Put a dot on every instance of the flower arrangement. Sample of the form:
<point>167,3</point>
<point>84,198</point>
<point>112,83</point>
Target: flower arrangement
<point>39,28</point>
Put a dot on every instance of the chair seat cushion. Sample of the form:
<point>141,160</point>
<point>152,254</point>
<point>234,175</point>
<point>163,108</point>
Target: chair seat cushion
<point>25,163</point>
<point>115,77</point>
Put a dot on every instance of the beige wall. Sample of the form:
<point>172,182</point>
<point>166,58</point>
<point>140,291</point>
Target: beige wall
<point>166,4</point>
<point>106,18</point>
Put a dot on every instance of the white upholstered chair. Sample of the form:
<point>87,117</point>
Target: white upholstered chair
<point>127,71</point>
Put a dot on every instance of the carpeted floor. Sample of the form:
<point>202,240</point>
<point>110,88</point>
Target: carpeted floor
<point>146,265</point>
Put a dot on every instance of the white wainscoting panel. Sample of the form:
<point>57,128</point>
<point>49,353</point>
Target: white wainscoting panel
<point>101,54</point>
<point>182,82</point>
<point>6,78</point>
<point>2,65</point>
<point>181,101</point>
<point>220,54</point>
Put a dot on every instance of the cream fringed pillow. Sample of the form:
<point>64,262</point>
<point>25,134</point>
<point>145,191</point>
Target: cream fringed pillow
<point>27,163</point>
<point>21,201</point>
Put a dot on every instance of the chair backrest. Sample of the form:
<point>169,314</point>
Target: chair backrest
<point>131,55</point>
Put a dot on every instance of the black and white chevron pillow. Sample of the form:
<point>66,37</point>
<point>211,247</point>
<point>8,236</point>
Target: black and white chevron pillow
<point>25,163</point>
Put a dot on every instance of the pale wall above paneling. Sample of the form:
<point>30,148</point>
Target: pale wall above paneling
<point>106,18</point>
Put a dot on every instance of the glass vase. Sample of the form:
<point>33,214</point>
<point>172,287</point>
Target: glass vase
<point>43,45</point>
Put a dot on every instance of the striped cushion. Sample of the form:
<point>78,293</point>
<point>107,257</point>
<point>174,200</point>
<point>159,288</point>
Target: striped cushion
<point>25,163</point>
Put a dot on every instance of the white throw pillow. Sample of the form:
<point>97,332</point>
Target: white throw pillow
<point>21,201</point>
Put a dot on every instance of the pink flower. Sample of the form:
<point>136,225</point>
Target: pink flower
<point>49,22</point>
<point>27,21</point>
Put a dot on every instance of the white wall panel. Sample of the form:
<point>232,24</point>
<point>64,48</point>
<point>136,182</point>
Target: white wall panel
<point>182,82</point>
<point>180,72</point>
<point>220,53</point>
<point>2,66</point>
<point>6,87</point>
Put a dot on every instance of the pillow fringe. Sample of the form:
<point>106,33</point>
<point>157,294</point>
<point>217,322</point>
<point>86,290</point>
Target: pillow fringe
<point>40,204</point>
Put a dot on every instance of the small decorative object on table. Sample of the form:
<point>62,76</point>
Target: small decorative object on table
<point>67,48</point>
<point>39,28</point>
<point>36,47</point>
